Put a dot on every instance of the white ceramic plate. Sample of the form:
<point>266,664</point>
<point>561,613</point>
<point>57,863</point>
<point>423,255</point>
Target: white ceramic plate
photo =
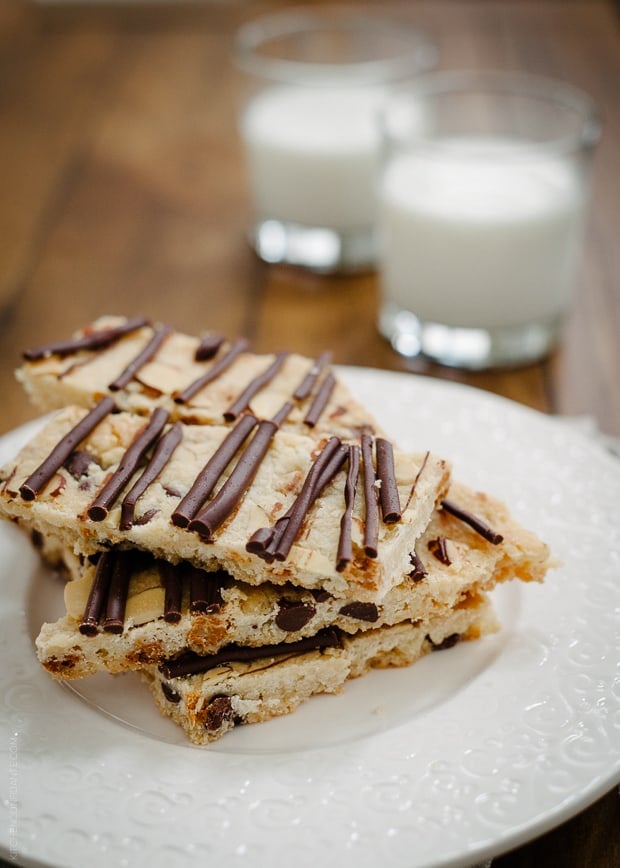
<point>461,757</point>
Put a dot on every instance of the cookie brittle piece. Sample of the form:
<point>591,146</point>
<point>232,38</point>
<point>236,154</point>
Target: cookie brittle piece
<point>278,508</point>
<point>171,609</point>
<point>206,380</point>
<point>209,696</point>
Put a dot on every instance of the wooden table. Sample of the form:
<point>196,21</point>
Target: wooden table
<point>123,191</point>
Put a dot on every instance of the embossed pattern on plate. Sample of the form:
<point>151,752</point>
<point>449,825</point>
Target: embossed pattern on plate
<point>521,740</point>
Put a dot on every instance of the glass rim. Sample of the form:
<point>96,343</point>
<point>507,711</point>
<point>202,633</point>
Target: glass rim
<point>527,85</point>
<point>420,55</point>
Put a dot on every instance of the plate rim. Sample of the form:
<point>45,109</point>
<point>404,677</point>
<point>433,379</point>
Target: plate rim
<point>564,809</point>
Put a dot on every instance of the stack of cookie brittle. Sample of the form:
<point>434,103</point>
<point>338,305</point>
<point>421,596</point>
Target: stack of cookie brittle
<point>238,529</point>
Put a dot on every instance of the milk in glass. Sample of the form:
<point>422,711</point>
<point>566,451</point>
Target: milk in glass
<point>480,233</point>
<point>312,155</point>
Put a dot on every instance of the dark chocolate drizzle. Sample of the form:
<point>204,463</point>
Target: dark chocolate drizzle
<point>208,477</point>
<point>474,522</point>
<point>388,491</point>
<point>282,413</point>
<point>63,449</point>
<point>173,591</point>
<point>261,539</point>
<point>143,357</point>
<point>217,368</point>
<point>345,544</point>
<point>98,595</point>
<point>310,490</point>
<point>307,384</point>
<point>194,664</point>
<point>320,401</point>
<point>110,586</point>
<point>208,346</point>
<point>117,594</point>
<point>213,515</point>
<point>330,470</point>
<point>256,385</point>
<point>128,464</point>
<point>416,480</point>
<point>264,542</point>
<point>271,541</point>
<point>419,570</point>
<point>94,340</point>
<point>78,462</point>
<point>371,521</point>
<point>205,590</point>
<point>161,456</point>
<point>439,549</point>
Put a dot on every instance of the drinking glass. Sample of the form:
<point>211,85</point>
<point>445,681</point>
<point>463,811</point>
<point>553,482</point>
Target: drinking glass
<point>313,83</point>
<point>483,198</point>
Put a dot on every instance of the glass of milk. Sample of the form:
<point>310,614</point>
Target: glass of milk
<point>483,195</point>
<point>314,79</point>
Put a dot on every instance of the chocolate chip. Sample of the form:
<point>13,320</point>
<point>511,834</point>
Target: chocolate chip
<point>321,595</point>
<point>448,642</point>
<point>170,693</point>
<point>418,572</point>
<point>361,611</point>
<point>438,548</point>
<point>218,711</point>
<point>293,615</point>
<point>78,463</point>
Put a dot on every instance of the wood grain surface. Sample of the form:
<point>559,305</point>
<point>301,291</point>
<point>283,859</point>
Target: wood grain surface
<point>123,191</point>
